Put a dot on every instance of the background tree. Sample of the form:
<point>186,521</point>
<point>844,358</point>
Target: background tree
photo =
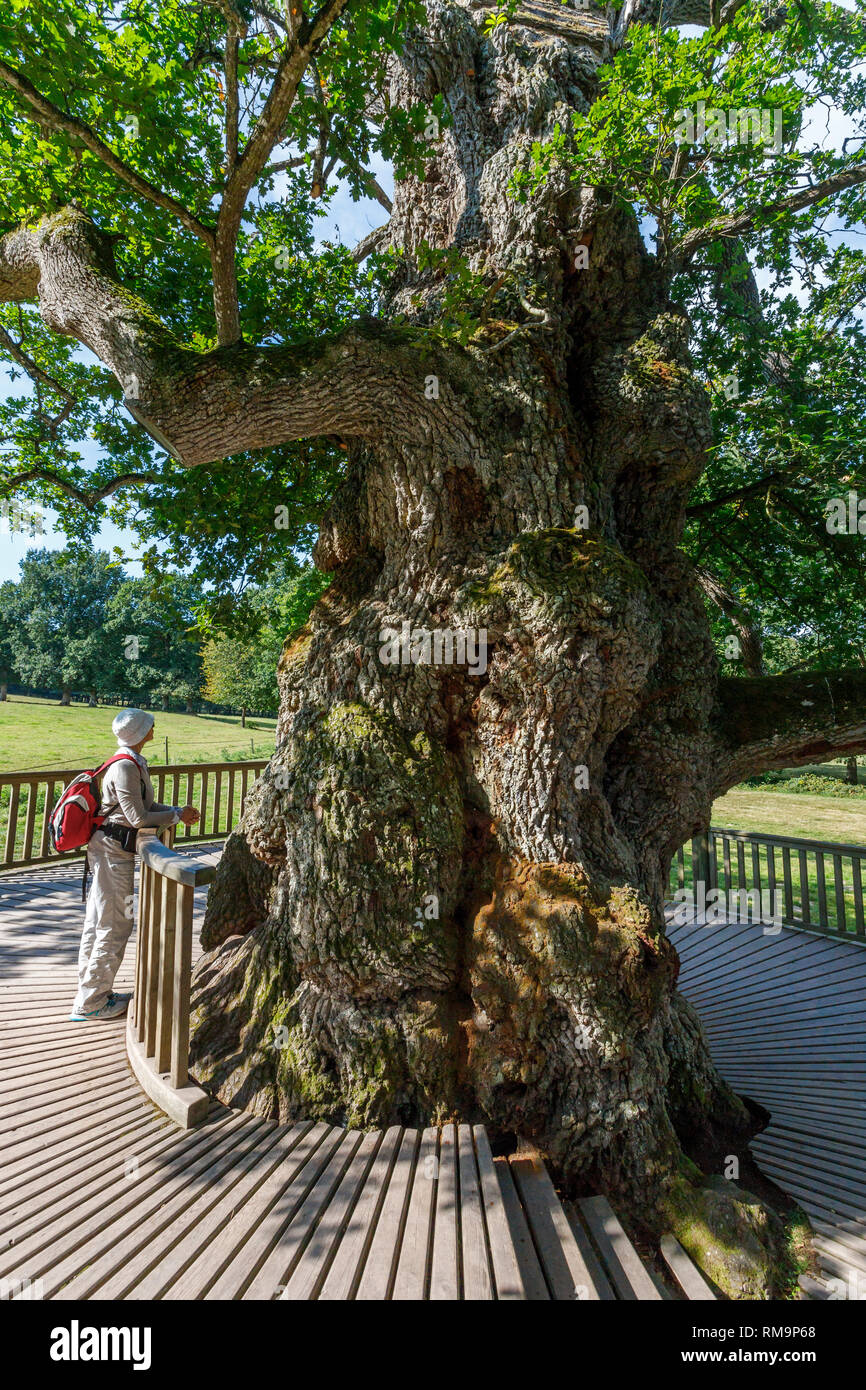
<point>241,670</point>
<point>56,614</point>
<point>152,644</point>
<point>524,424</point>
<point>7,594</point>
<point>242,674</point>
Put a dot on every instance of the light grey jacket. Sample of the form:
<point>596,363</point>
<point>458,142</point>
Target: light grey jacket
<point>122,799</point>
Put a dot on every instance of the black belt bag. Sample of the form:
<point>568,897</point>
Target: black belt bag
<point>125,835</point>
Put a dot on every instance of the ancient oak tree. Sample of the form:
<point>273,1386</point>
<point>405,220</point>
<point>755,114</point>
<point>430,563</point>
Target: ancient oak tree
<point>445,898</point>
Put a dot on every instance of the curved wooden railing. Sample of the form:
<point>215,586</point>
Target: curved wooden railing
<point>157,1029</point>
<point>27,799</point>
<point>812,885</point>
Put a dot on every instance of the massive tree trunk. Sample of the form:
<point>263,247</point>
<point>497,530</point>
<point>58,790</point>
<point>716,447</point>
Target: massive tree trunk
<point>445,897</point>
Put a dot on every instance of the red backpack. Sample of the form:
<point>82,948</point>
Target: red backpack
<point>76,815</point>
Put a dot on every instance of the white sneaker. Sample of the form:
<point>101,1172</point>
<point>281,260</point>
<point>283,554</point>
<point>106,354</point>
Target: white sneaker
<point>115,1006</point>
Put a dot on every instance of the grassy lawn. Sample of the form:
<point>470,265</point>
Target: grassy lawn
<point>781,813</point>
<point>37,734</point>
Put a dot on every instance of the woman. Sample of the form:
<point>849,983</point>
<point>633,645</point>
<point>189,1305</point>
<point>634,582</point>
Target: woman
<point>128,805</point>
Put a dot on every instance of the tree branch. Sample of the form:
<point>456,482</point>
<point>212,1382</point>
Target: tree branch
<point>364,382</point>
<point>750,638</point>
<point>371,243</point>
<point>232,100</point>
<point>738,494</point>
<point>737,224</point>
<point>90,500</point>
<point>70,125</point>
<point>786,721</point>
<point>37,374</point>
<point>252,161</point>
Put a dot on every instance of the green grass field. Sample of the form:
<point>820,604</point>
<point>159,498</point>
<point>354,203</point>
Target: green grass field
<point>36,734</point>
<point>780,813</point>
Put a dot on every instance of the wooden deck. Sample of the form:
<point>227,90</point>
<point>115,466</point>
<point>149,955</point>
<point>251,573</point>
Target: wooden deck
<point>785,1016</point>
<point>102,1197</point>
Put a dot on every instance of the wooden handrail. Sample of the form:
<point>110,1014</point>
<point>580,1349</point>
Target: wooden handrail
<point>31,796</point>
<point>789,871</point>
<point>157,1029</point>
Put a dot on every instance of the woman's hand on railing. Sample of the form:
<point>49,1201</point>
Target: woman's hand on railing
<point>189,815</point>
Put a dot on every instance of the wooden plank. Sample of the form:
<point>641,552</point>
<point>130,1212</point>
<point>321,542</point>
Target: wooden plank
<point>822,888</point>
<point>151,982</point>
<point>684,1270</point>
<point>165,976</point>
<point>149,1268</point>
<point>218,783</point>
<point>30,821</point>
<point>345,1270</point>
<point>73,1180</point>
<point>531,1272</point>
<point>179,1055</point>
<point>225,1267</point>
<point>565,1269</point>
<point>410,1282</point>
<point>857,880</point>
<point>44,838</point>
<point>230,806</point>
<point>205,777</point>
<point>139,1010</point>
<point>11,824</point>
<point>29,1109</point>
<point>475,1259</point>
<point>60,1249</point>
<point>839,893</point>
<point>445,1259</point>
<point>111,1273</point>
<point>274,1273</point>
<point>621,1260</point>
<point>590,1258</point>
<point>46,1158</point>
<point>383,1256</point>
<point>507,1278</point>
<point>805,900</point>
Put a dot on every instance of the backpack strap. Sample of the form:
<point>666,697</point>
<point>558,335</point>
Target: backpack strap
<point>118,757</point>
<point>99,821</point>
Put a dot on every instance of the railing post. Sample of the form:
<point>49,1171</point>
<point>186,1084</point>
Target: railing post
<point>701,862</point>
<point>144,886</point>
<point>165,986</point>
<point>151,980</point>
<point>182,977</point>
<point>157,1035</point>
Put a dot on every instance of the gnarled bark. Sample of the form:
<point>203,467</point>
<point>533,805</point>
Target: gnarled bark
<point>445,898</point>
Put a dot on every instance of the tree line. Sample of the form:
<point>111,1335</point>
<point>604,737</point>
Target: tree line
<point>75,621</point>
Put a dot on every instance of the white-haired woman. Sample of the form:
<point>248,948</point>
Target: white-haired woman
<point>128,805</point>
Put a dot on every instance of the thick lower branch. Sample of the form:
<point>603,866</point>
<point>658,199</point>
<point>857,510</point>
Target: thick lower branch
<point>365,382</point>
<point>787,721</point>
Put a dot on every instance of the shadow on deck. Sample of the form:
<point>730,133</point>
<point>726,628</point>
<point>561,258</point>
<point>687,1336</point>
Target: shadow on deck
<point>102,1197</point>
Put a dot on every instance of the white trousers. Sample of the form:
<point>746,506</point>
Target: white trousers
<point>108,921</point>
